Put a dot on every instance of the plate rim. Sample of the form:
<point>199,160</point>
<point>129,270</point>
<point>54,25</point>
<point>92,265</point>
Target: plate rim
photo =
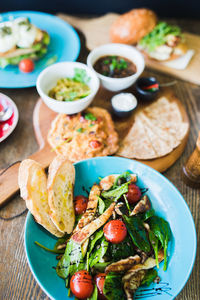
<point>50,15</point>
<point>163,178</point>
<point>16,118</point>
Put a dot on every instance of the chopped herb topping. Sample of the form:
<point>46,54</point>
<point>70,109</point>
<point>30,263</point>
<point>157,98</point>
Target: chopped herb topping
<point>90,117</point>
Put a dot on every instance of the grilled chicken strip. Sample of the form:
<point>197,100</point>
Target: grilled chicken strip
<point>143,205</point>
<point>107,182</point>
<point>133,278</point>
<point>89,229</point>
<point>91,208</point>
<point>123,264</point>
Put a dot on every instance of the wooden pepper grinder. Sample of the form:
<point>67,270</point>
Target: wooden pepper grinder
<point>191,170</point>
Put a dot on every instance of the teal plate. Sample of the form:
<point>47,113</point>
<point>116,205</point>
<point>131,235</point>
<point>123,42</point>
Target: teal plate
<point>167,202</point>
<point>64,45</point>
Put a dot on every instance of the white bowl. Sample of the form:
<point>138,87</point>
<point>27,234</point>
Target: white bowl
<point>48,79</point>
<point>130,52</point>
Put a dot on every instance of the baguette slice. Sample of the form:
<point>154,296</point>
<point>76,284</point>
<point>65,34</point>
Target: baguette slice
<point>60,193</point>
<point>33,188</point>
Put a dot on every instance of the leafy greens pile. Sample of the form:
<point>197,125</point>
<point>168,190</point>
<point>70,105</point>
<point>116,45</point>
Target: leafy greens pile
<point>157,36</point>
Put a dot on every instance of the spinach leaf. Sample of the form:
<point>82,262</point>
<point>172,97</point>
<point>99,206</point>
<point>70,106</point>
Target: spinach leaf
<point>149,277</point>
<point>162,231</point>
<point>101,205</point>
<point>123,178</point>
<point>137,232</point>
<point>154,242</point>
<point>94,294</point>
<point>121,250</point>
<point>99,252</point>
<point>94,238</point>
<point>116,193</point>
<point>113,287</point>
<point>71,261</point>
<point>147,214</point>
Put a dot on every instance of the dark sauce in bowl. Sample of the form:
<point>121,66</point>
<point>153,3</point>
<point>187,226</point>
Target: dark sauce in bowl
<point>115,66</point>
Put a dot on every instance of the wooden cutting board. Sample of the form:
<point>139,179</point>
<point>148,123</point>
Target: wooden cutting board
<point>42,118</point>
<point>96,31</point>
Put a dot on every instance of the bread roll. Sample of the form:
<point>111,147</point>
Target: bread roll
<point>130,27</point>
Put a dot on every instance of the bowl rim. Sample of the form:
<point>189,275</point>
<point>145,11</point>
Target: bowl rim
<point>67,103</point>
<point>114,45</point>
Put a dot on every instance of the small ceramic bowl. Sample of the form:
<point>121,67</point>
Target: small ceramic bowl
<point>48,79</point>
<point>129,52</point>
<point>143,82</point>
<point>123,104</point>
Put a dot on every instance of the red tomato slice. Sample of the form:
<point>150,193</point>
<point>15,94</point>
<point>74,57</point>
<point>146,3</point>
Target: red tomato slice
<point>115,231</point>
<point>80,204</point>
<point>81,284</point>
<point>99,280</point>
<point>26,65</point>
<point>134,193</point>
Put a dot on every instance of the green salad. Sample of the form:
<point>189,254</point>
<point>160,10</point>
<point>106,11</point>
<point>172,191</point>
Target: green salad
<point>71,89</point>
<point>117,244</point>
<point>157,37</point>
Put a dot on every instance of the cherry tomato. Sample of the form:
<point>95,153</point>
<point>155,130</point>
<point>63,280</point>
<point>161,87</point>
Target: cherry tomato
<point>115,231</point>
<point>81,284</point>
<point>26,65</point>
<point>95,144</point>
<point>134,193</point>
<point>80,202</point>
<point>99,280</point>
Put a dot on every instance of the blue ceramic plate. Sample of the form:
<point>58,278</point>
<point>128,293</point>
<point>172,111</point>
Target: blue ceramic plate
<point>65,45</point>
<point>167,202</point>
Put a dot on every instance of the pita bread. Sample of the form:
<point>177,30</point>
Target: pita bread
<point>157,130</point>
<point>137,144</point>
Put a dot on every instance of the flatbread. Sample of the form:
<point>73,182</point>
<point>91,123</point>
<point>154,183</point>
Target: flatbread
<point>137,144</point>
<point>157,130</point>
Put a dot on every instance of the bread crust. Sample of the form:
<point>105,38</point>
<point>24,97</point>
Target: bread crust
<point>38,207</point>
<point>60,183</point>
<point>132,26</point>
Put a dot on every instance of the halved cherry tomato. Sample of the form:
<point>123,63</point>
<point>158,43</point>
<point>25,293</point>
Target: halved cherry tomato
<point>134,193</point>
<point>81,284</point>
<point>99,280</point>
<point>115,231</point>
<point>95,144</point>
<point>26,65</point>
<point>80,204</point>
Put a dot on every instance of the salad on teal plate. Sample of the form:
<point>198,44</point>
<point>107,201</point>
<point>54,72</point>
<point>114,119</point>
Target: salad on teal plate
<point>138,242</point>
<point>29,42</point>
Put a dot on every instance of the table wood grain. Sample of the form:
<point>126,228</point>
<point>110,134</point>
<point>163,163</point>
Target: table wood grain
<point>16,280</point>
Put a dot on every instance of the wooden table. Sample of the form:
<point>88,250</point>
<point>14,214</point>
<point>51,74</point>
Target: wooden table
<point>16,280</point>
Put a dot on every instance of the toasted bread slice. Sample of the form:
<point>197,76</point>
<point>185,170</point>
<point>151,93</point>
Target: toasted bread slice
<point>33,188</point>
<point>60,193</point>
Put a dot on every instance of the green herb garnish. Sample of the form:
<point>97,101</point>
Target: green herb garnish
<point>81,130</point>
<point>80,75</point>
<point>90,117</point>
<point>157,36</point>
